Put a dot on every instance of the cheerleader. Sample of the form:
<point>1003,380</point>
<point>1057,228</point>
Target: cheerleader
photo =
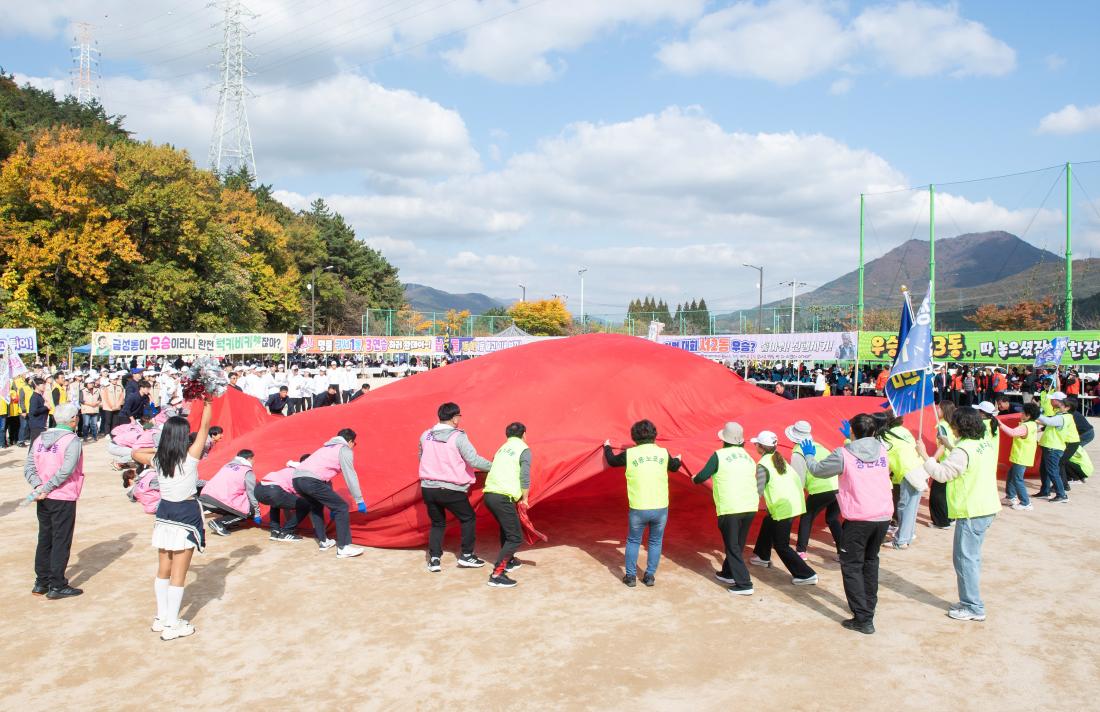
<point>178,529</point>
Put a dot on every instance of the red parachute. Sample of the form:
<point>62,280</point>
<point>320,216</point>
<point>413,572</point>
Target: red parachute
<point>570,393</point>
<point>236,413</point>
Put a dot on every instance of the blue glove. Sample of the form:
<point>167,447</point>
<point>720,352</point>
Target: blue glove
<point>362,507</point>
<point>884,405</point>
<point>808,448</point>
<point>846,429</point>
<point>257,519</point>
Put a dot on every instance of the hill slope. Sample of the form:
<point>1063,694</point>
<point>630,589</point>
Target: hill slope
<point>424,298</point>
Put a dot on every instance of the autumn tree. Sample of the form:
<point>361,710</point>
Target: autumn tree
<point>1028,315</point>
<point>546,317</point>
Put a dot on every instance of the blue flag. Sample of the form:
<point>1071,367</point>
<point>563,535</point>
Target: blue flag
<point>1052,354</point>
<point>910,386</point>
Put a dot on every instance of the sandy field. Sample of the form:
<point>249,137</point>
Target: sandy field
<point>285,624</point>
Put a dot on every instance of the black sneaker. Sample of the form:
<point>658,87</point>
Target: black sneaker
<point>285,536</point>
<point>1060,500</point>
<point>40,589</point>
<point>513,564</point>
<point>501,580</point>
<point>738,589</point>
<point>867,628</point>
<point>648,580</point>
<point>217,527</point>
<point>630,581</point>
<point>470,561</point>
<point>66,592</point>
<point>434,564</point>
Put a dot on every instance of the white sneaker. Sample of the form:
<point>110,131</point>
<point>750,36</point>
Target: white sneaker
<point>718,575</point>
<point>964,614</point>
<point>157,626</point>
<point>326,544</point>
<point>181,629</point>
<point>1009,501</point>
<point>757,561</point>
<point>1023,507</point>
<point>808,581</point>
<point>346,552</point>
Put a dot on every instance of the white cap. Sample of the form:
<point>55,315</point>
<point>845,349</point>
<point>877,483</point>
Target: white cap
<point>798,432</point>
<point>766,438</point>
<point>987,408</point>
<point>1057,396</point>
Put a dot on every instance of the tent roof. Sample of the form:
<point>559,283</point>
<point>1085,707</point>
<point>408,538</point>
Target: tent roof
<point>512,331</point>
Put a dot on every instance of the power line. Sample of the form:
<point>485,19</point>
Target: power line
<point>85,75</point>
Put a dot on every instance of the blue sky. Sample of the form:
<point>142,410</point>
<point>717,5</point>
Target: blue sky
<point>660,143</point>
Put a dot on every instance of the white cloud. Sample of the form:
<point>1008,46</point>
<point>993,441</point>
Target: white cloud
<point>787,41</point>
<point>841,86</point>
<point>506,40</point>
<point>490,263</point>
<point>1054,62</point>
<point>1071,120</point>
<point>345,122</point>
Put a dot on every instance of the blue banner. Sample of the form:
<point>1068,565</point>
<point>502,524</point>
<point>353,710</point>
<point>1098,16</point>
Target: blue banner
<point>910,386</point>
<point>1052,354</point>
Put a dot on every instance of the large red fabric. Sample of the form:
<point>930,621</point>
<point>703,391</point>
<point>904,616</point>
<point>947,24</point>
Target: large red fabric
<point>571,394</point>
<point>238,414</point>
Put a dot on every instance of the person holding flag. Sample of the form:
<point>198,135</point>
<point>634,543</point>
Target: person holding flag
<point>909,389</point>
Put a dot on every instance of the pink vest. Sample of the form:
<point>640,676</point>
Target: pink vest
<point>283,478</point>
<point>441,460</point>
<point>145,439</point>
<point>127,435</point>
<point>325,462</point>
<point>227,486</point>
<point>161,418</point>
<point>47,460</point>
<point>146,496</point>
<point>865,492</point>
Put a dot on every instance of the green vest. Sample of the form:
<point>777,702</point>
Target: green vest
<point>783,493</point>
<point>734,484</point>
<point>1069,429</point>
<point>1023,449</point>
<point>901,453</point>
<point>816,485</point>
<point>1052,437</point>
<point>647,477</point>
<point>974,493</point>
<point>503,477</point>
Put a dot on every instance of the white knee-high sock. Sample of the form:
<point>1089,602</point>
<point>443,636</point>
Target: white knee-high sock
<point>174,597</point>
<point>161,587</point>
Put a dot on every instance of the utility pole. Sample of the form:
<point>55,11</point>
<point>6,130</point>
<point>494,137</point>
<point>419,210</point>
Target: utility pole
<point>760,304</point>
<point>523,296</point>
<point>932,254</point>
<point>580,272</point>
<point>231,145</point>
<point>794,286</point>
<point>313,300</point>
<point>85,75</point>
<point>1069,248</point>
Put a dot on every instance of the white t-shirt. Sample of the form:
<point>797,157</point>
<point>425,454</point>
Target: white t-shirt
<point>295,384</point>
<point>184,485</point>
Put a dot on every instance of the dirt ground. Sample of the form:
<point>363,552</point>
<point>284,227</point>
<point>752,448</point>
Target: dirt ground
<point>286,624</point>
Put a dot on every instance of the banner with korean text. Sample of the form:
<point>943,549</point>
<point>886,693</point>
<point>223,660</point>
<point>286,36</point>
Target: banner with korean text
<point>992,347</point>
<point>826,346</point>
<point>20,341</point>
<point>185,344</point>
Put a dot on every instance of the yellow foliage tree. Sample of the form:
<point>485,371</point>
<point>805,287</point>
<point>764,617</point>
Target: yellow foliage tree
<point>59,237</point>
<point>546,317</point>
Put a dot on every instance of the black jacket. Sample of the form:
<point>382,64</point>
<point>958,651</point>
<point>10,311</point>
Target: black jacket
<point>38,412</point>
<point>276,403</point>
<point>134,405</point>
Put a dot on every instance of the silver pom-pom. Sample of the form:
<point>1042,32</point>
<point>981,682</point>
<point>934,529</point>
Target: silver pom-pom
<point>205,377</point>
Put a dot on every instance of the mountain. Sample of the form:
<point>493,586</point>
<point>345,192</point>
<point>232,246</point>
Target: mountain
<point>424,298</point>
<point>972,269</point>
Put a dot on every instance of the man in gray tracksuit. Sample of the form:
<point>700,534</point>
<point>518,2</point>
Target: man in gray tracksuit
<point>447,462</point>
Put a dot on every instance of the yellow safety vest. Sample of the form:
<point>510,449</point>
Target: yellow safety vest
<point>734,484</point>
<point>647,477</point>
<point>974,493</point>
<point>901,453</point>
<point>783,493</point>
<point>817,485</point>
<point>1023,449</point>
<point>503,477</point>
<point>1069,429</point>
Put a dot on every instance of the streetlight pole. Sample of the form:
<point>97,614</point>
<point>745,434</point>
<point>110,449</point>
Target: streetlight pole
<point>580,273</point>
<point>760,304</point>
<point>523,298</point>
<point>313,299</point>
<point>794,286</point>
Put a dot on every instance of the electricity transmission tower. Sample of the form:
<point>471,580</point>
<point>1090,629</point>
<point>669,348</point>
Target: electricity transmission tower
<point>84,75</point>
<point>231,145</point>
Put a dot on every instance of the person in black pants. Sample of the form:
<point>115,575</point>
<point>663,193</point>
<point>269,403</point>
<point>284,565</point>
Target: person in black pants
<point>447,464</point>
<point>55,472</point>
<point>277,401</point>
<point>506,488</point>
<point>39,412</point>
<point>1072,472</point>
<point>133,408</point>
